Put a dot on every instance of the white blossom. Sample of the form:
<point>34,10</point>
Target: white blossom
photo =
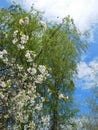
<point>42,69</point>
<point>45,119</point>
<point>24,39</point>
<point>5,60</point>
<point>20,46</point>
<point>15,40</point>
<point>61,96</point>
<point>43,25</point>
<point>4,52</point>
<point>2,84</point>
<point>3,56</point>
<point>26,20</point>
<point>1,95</point>
<point>67,97</point>
<point>27,55</point>
<point>19,67</point>
<point>39,106</point>
<point>43,99</point>
<point>21,21</point>
<point>32,71</point>
<point>15,33</point>
<point>39,79</point>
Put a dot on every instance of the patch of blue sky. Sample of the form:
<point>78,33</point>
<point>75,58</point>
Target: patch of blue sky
<point>81,96</point>
<point>4,4</point>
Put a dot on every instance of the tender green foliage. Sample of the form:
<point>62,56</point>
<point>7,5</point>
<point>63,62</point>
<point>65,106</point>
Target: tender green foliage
<point>61,51</point>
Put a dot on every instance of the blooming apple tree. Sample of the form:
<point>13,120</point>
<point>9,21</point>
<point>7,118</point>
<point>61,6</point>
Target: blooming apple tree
<point>19,74</point>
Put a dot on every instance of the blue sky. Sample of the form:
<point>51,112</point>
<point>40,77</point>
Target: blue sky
<point>85,15</point>
<point>4,4</point>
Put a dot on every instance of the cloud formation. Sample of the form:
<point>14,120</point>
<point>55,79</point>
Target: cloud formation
<point>88,74</point>
<point>84,12</point>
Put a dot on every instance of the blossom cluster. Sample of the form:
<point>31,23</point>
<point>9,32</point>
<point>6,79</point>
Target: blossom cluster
<point>61,96</point>
<point>3,54</point>
<point>20,42</point>
<point>25,98</point>
<point>24,21</point>
<point>30,55</point>
<point>19,84</point>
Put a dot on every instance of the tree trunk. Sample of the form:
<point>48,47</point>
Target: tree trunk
<point>54,125</point>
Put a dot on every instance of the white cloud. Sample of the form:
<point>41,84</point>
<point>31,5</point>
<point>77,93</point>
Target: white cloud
<point>88,74</point>
<point>84,70</point>
<point>84,12</point>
